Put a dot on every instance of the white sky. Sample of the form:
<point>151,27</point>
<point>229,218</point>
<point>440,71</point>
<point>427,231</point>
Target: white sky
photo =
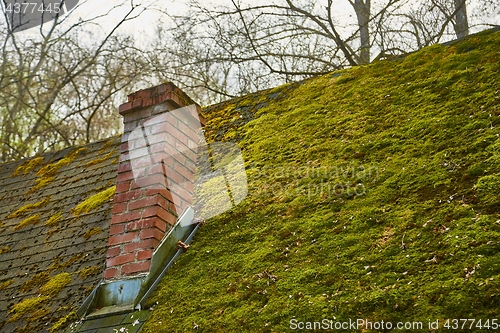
<point>144,26</point>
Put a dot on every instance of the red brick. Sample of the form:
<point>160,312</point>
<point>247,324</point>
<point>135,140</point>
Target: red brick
<point>137,114</point>
<point>184,171</point>
<point>129,126</point>
<point>128,196</point>
<point>146,244</point>
<point>123,187</point>
<point>116,229</point>
<point>136,103</point>
<point>119,208</point>
<point>164,203</point>
<point>184,194</point>
<point>124,107</point>
<point>120,260</point>
<point>120,239</point>
<point>143,93</point>
<point>142,203</point>
<point>144,255</point>
<point>124,166</point>
<point>110,273</point>
<point>181,137</point>
<point>139,267</point>
<point>173,176</point>
<point>164,192</point>
<point>187,131</point>
<point>152,180</point>
<point>141,224</point>
<point>113,251</point>
<point>124,176</point>
<point>126,217</point>
<point>152,233</point>
<point>124,147</point>
<point>189,186</point>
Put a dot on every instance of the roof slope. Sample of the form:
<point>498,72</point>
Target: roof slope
<point>54,223</point>
<point>373,193</point>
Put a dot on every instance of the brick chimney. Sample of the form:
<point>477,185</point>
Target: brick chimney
<point>155,175</point>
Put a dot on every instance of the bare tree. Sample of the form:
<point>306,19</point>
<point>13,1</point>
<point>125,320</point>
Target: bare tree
<point>59,83</point>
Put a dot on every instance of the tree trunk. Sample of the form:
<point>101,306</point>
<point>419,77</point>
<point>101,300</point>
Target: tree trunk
<point>362,9</point>
<point>461,23</point>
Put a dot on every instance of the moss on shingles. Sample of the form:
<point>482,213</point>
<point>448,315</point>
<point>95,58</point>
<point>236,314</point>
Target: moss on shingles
<point>57,264</point>
<point>91,232</point>
<point>29,207</point>
<point>372,194</point>
<point>94,201</point>
<point>6,284</point>
<point>26,307</point>
<point>100,160</point>
<point>56,284</point>
<point>53,220</point>
<point>36,280</point>
<point>34,308</point>
<point>4,249</point>
<point>46,173</point>
<point>32,220</point>
<point>28,166</point>
<point>88,271</point>
<point>64,322</point>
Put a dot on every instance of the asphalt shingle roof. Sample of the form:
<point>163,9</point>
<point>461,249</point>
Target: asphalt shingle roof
<point>51,255</point>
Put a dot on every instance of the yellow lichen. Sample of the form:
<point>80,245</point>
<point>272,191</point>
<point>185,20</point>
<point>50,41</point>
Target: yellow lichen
<point>29,207</point>
<point>41,182</point>
<point>37,280</point>
<point>64,321</point>
<point>47,172</point>
<point>88,271</point>
<point>4,249</point>
<point>5,284</point>
<point>28,221</point>
<point>28,305</point>
<point>58,265</point>
<point>92,232</point>
<point>100,160</point>
<point>28,166</point>
<point>56,284</point>
<point>38,314</point>
<point>94,201</point>
<point>50,169</point>
<point>53,220</point>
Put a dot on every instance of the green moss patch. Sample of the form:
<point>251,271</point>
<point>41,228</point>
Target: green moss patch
<point>54,220</point>
<point>64,321</point>
<point>94,201</point>
<point>29,207</point>
<point>32,220</point>
<point>89,271</point>
<point>46,173</point>
<point>4,249</point>
<point>5,284</point>
<point>100,160</point>
<point>372,194</point>
<point>28,166</point>
<point>92,232</point>
<point>56,284</point>
<point>26,307</point>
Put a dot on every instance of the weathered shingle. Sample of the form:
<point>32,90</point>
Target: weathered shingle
<point>50,258</point>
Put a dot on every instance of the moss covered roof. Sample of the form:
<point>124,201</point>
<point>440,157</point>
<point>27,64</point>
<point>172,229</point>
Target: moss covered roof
<point>52,253</point>
<point>374,192</point>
